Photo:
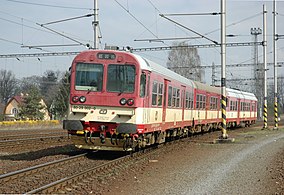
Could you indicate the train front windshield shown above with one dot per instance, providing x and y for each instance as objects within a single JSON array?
[
  {"x": 89, "y": 77},
  {"x": 120, "y": 77}
]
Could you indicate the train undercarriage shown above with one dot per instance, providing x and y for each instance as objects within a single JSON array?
[{"x": 112, "y": 140}]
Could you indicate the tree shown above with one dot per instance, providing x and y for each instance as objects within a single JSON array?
[
  {"x": 8, "y": 85},
  {"x": 49, "y": 86},
  {"x": 29, "y": 82},
  {"x": 185, "y": 61},
  {"x": 31, "y": 107},
  {"x": 60, "y": 103}
]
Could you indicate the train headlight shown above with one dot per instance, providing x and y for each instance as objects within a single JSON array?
[
  {"x": 130, "y": 102},
  {"x": 122, "y": 101},
  {"x": 75, "y": 99},
  {"x": 82, "y": 99}
]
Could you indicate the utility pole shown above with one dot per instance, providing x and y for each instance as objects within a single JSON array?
[
  {"x": 213, "y": 74},
  {"x": 257, "y": 86},
  {"x": 275, "y": 66},
  {"x": 96, "y": 25},
  {"x": 223, "y": 69},
  {"x": 265, "y": 67}
]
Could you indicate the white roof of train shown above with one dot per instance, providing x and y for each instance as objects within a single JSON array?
[
  {"x": 240, "y": 94},
  {"x": 154, "y": 67}
]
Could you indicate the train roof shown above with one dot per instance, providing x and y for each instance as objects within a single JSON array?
[
  {"x": 207, "y": 87},
  {"x": 240, "y": 94},
  {"x": 154, "y": 67}
]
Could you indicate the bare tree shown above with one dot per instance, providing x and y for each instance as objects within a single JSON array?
[
  {"x": 281, "y": 95},
  {"x": 8, "y": 85},
  {"x": 185, "y": 61}
]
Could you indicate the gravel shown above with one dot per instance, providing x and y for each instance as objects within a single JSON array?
[{"x": 251, "y": 165}]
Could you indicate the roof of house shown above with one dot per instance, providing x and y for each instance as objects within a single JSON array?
[{"x": 18, "y": 98}]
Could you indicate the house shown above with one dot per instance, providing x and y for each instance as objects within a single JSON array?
[{"x": 11, "y": 110}]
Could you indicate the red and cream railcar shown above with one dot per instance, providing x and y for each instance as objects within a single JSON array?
[
  {"x": 241, "y": 108},
  {"x": 120, "y": 101}
]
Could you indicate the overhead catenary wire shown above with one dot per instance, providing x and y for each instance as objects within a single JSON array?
[
  {"x": 195, "y": 32},
  {"x": 61, "y": 34},
  {"x": 67, "y": 19},
  {"x": 48, "y": 5},
  {"x": 38, "y": 29},
  {"x": 136, "y": 18}
]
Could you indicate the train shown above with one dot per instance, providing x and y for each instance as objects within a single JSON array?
[{"x": 121, "y": 101}]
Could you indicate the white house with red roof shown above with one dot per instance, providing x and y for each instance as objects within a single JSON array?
[{"x": 12, "y": 108}]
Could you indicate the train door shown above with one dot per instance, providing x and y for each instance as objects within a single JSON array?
[
  {"x": 165, "y": 100},
  {"x": 145, "y": 78},
  {"x": 207, "y": 105},
  {"x": 239, "y": 111},
  {"x": 182, "y": 101}
]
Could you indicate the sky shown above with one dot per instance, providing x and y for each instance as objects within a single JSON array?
[{"x": 132, "y": 23}]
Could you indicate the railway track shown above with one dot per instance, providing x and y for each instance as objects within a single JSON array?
[
  {"x": 77, "y": 182},
  {"x": 32, "y": 141},
  {"x": 14, "y": 136},
  {"x": 25, "y": 180},
  {"x": 71, "y": 174}
]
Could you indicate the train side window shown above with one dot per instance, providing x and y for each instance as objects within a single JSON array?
[
  {"x": 190, "y": 100},
  {"x": 160, "y": 94},
  {"x": 154, "y": 93},
  {"x": 213, "y": 103},
  {"x": 178, "y": 98},
  {"x": 200, "y": 101},
  {"x": 253, "y": 107},
  {"x": 204, "y": 102},
  {"x": 197, "y": 101},
  {"x": 142, "y": 85},
  {"x": 174, "y": 97},
  {"x": 170, "y": 91},
  {"x": 187, "y": 99}
]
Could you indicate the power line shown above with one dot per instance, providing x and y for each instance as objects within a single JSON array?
[
  {"x": 195, "y": 46},
  {"x": 135, "y": 50},
  {"x": 61, "y": 34},
  {"x": 195, "y": 14},
  {"x": 68, "y": 53},
  {"x": 48, "y": 5},
  {"x": 279, "y": 64},
  {"x": 135, "y": 18},
  {"x": 250, "y": 79},
  {"x": 162, "y": 15}
]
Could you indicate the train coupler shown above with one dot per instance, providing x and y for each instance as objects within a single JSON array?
[{"x": 103, "y": 139}]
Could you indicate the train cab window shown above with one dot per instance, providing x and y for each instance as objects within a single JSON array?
[
  {"x": 121, "y": 78},
  {"x": 142, "y": 85},
  {"x": 89, "y": 77},
  {"x": 170, "y": 93}
]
